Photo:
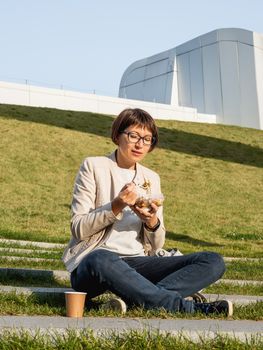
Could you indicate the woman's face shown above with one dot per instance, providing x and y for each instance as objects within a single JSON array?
[{"x": 131, "y": 148}]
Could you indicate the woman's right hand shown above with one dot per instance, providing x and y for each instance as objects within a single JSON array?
[{"x": 127, "y": 196}]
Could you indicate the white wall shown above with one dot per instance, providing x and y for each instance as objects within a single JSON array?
[
  {"x": 150, "y": 79},
  {"x": 22, "y": 94},
  {"x": 220, "y": 73},
  {"x": 217, "y": 74},
  {"x": 258, "y": 40}
]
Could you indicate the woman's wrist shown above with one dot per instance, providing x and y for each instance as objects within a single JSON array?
[
  {"x": 117, "y": 205},
  {"x": 152, "y": 227}
]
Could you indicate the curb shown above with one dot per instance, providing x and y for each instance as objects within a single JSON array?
[
  {"x": 240, "y": 282},
  {"x": 237, "y": 299},
  {"x": 65, "y": 275},
  {"x": 26, "y": 259},
  {"x": 55, "y": 274},
  {"x": 60, "y": 246},
  {"x": 34, "y": 244},
  {"x": 193, "y": 329}
]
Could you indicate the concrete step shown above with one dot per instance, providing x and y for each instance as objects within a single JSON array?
[
  {"x": 231, "y": 259},
  {"x": 237, "y": 299},
  {"x": 33, "y": 251},
  {"x": 65, "y": 275},
  {"x": 28, "y": 251},
  {"x": 31, "y": 243},
  {"x": 193, "y": 329},
  {"x": 55, "y": 274},
  {"x": 240, "y": 282},
  {"x": 46, "y": 259},
  {"x": 33, "y": 290},
  {"x": 61, "y": 246},
  {"x": 25, "y": 258}
]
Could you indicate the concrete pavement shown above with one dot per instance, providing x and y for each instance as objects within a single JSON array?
[
  {"x": 237, "y": 299},
  {"x": 64, "y": 275},
  {"x": 190, "y": 328}
]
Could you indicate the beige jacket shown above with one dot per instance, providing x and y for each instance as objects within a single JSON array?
[{"x": 92, "y": 216}]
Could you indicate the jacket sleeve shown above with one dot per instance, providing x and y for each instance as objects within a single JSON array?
[{"x": 86, "y": 218}]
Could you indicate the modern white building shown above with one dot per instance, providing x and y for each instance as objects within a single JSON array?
[{"x": 219, "y": 73}]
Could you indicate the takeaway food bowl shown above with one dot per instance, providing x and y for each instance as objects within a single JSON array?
[{"x": 145, "y": 202}]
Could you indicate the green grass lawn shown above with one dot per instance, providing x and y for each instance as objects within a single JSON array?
[
  {"x": 235, "y": 270},
  {"x": 15, "y": 279},
  {"x": 21, "y": 304},
  {"x": 227, "y": 288},
  {"x": 33, "y": 254},
  {"x": 18, "y": 280},
  {"x": 212, "y": 178},
  {"x": 244, "y": 270},
  {"x": 26, "y": 263},
  {"x": 129, "y": 340}
]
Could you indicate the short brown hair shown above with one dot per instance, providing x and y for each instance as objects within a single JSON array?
[{"x": 135, "y": 116}]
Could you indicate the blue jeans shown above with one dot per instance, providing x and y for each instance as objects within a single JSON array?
[{"x": 148, "y": 281}]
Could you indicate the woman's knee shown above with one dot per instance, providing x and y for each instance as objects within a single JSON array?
[
  {"x": 216, "y": 262},
  {"x": 98, "y": 259},
  {"x": 88, "y": 275}
]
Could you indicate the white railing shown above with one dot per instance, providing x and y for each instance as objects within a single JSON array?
[{"x": 35, "y": 96}]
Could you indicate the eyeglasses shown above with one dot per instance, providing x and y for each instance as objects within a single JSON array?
[{"x": 133, "y": 137}]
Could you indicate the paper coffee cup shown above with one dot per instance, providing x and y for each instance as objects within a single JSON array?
[{"x": 75, "y": 302}]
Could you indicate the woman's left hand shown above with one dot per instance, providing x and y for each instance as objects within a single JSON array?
[{"x": 147, "y": 216}]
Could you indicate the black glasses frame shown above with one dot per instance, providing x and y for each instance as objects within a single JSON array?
[{"x": 139, "y": 138}]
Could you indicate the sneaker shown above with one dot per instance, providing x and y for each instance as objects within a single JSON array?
[
  {"x": 216, "y": 307},
  {"x": 115, "y": 304},
  {"x": 162, "y": 252}
]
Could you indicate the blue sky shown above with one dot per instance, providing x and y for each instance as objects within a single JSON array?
[{"x": 86, "y": 45}]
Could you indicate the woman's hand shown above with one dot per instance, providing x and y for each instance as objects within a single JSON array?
[
  {"x": 147, "y": 216},
  {"x": 127, "y": 196}
]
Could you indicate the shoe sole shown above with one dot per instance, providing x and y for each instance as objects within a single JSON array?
[
  {"x": 230, "y": 308},
  {"x": 115, "y": 304}
]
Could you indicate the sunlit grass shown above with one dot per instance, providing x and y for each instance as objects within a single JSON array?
[
  {"x": 32, "y": 254},
  {"x": 235, "y": 270},
  {"x": 212, "y": 178},
  {"x": 244, "y": 270},
  {"x": 129, "y": 340},
  {"x": 228, "y": 288},
  {"x": 54, "y": 304},
  {"x": 17, "y": 279},
  {"x": 21, "y": 280},
  {"x": 26, "y": 263}
]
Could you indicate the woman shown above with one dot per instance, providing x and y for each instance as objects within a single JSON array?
[{"x": 114, "y": 238}]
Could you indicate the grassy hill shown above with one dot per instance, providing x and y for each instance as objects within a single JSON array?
[{"x": 212, "y": 178}]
